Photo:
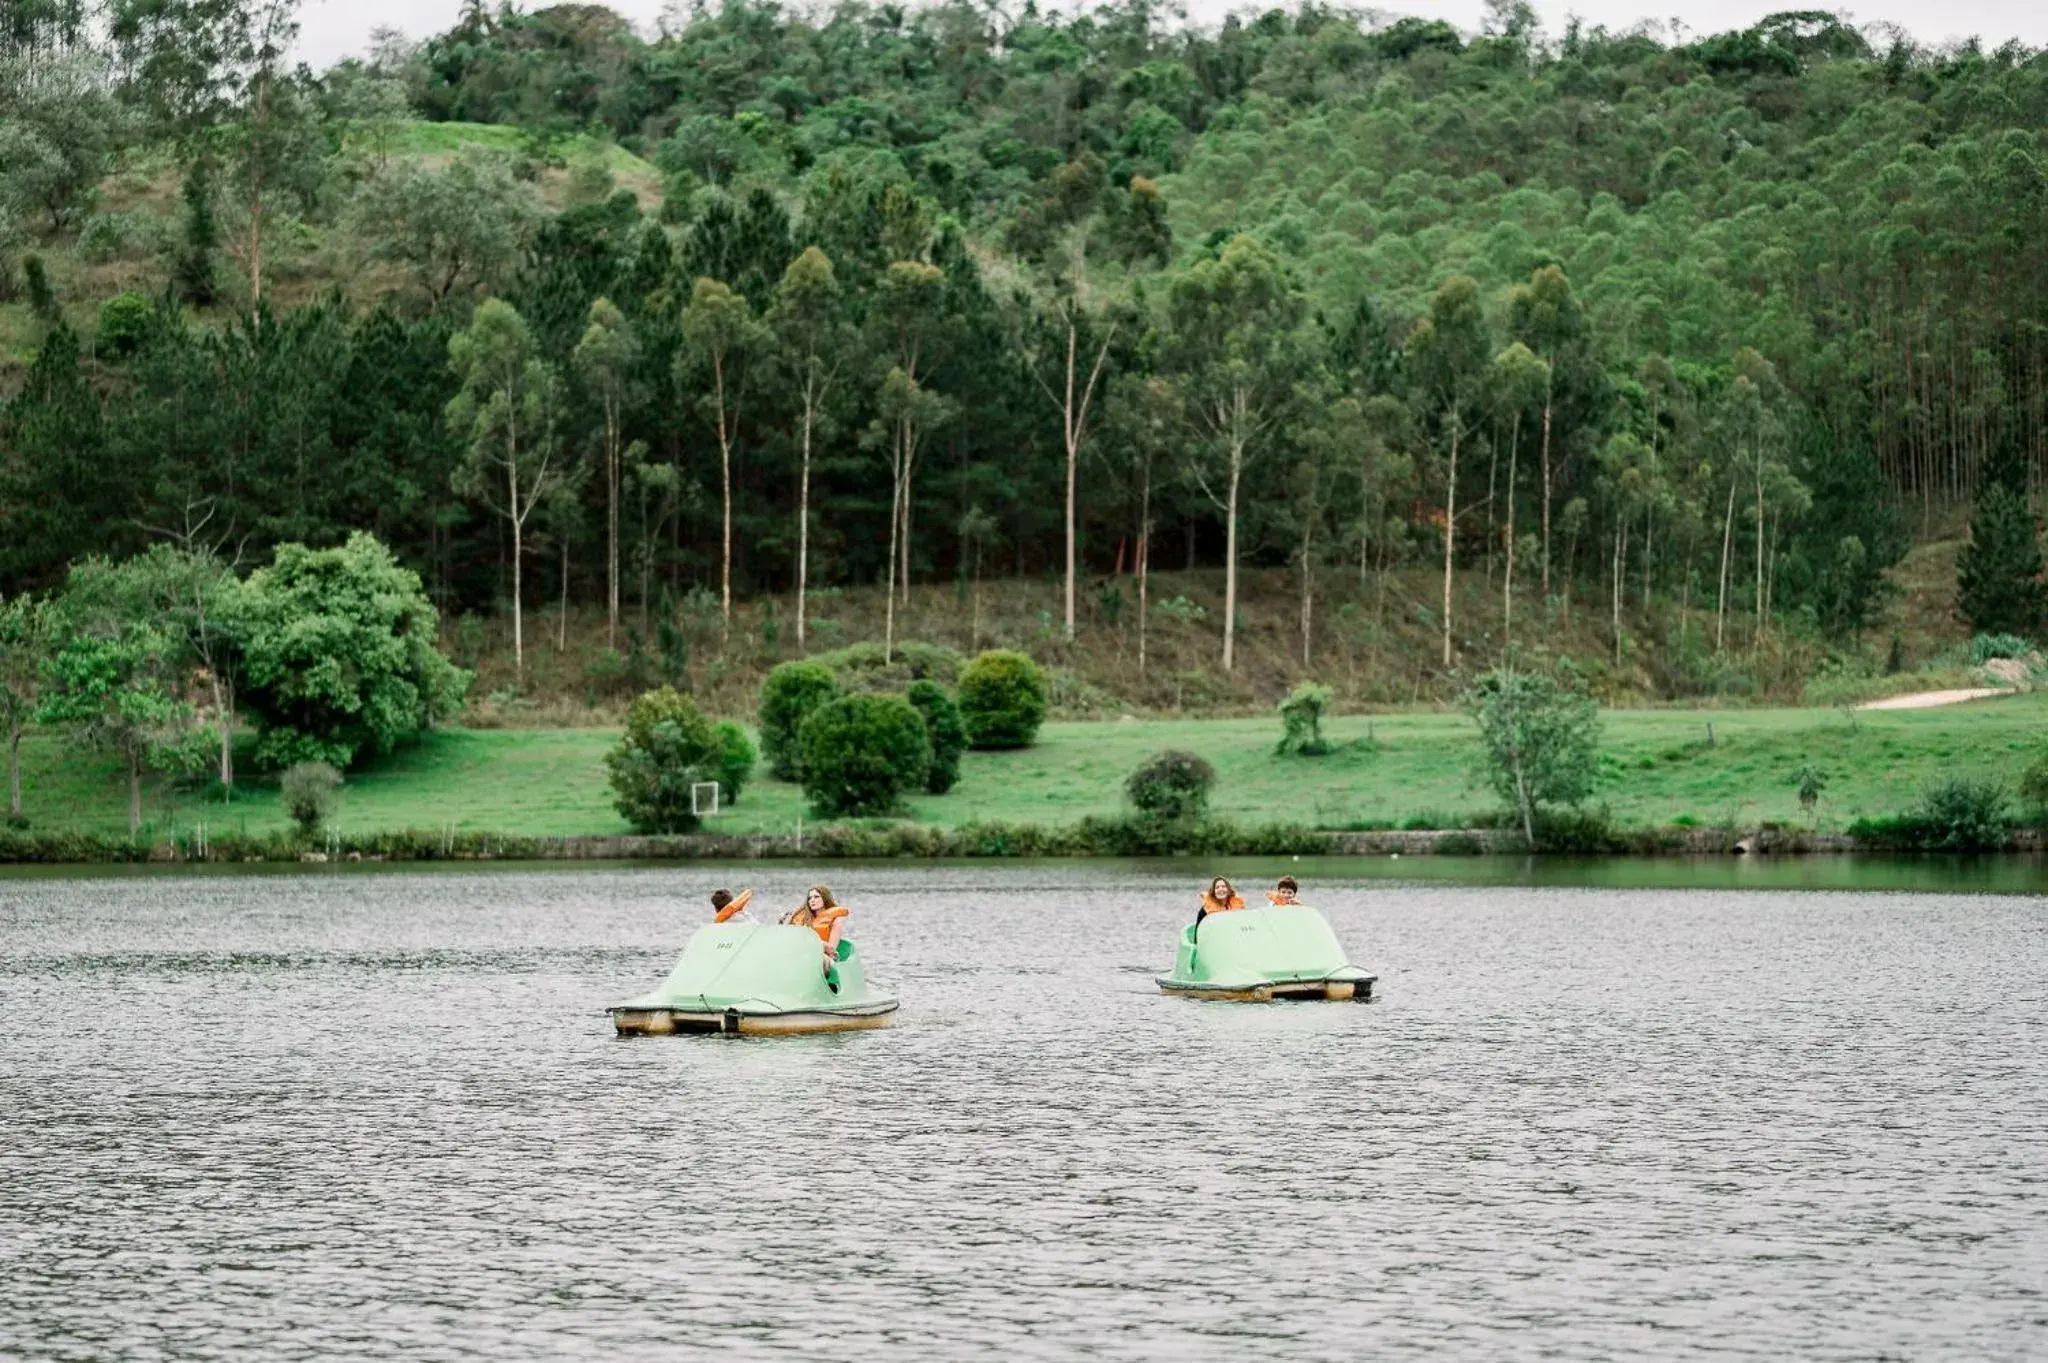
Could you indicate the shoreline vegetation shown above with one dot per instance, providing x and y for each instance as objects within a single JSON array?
[{"x": 1679, "y": 782}]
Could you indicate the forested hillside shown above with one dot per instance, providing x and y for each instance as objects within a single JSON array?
[{"x": 777, "y": 302}]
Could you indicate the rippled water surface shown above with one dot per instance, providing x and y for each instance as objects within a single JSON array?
[{"x": 351, "y": 1115}]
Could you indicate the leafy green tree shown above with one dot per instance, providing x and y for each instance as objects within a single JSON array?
[
  {"x": 788, "y": 696},
  {"x": 724, "y": 340},
  {"x": 947, "y": 729},
  {"x": 1237, "y": 344},
  {"x": 27, "y": 635},
  {"x": 506, "y": 411},
  {"x": 1002, "y": 700},
  {"x": 59, "y": 125},
  {"x": 339, "y": 655},
  {"x": 1540, "y": 739},
  {"x": 736, "y": 758},
  {"x": 113, "y": 678},
  {"x": 1301, "y": 721},
  {"x": 456, "y": 228},
  {"x": 861, "y": 753},
  {"x": 667, "y": 748}
]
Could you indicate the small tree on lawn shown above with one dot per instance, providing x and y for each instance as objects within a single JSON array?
[
  {"x": 788, "y": 696},
  {"x": 26, "y": 626},
  {"x": 1540, "y": 739},
  {"x": 112, "y": 679},
  {"x": 667, "y": 748},
  {"x": 306, "y": 790}
]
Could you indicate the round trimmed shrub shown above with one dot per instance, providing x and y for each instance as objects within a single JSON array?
[
  {"x": 667, "y": 748},
  {"x": 948, "y": 733},
  {"x": 735, "y": 761},
  {"x": 788, "y": 697},
  {"x": 1002, "y": 700},
  {"x": 859, "y": 754},
  {"x": 1171, "y": 785}
]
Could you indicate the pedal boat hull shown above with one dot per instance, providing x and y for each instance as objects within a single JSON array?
[
  {"x": 1280, "y": 951},
  {"x": 757, "y": 979}
]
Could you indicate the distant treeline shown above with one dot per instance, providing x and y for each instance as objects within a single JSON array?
[{"x": 935, "y": 292}]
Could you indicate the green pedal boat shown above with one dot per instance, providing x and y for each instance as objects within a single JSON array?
[
  {"x": 1257, "y": 955},
  {"x": 757, "y": 979}
]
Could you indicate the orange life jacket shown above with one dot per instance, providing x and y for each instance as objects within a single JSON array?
[
  {"x": 732, "y": 910},
  {"x": 1275, "y": 897},
  {"x": 1209, "y": 904},
  {"x": 822, "y": 922}
]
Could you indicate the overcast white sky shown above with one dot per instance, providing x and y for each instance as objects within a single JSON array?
[{"x": 333, "y": 29}]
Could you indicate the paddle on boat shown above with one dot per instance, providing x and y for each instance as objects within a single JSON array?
[
  {"x": 756, "y": 979},
  {"x": 1256, "y": 955}
]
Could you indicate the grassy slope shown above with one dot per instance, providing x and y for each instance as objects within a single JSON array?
[{"x": 1659, "y": 771}]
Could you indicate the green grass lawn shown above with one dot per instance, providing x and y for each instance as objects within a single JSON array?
[{"x": 1659, "y": 770}]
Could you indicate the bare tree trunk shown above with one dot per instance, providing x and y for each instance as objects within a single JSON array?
[
  {"x": 1620, "y": 569},
  {"x": 1144, "y": 556},
  {"x": 14, "y": 769},
  {"x": 518, "y": 554},
  {"x": 1757, "y": 628},
  {"x": 1307, "y": 591},
  {"x": 562, "y": 612},
  {"x": 895, "y": 531},
  {"x": 1072, "y": 439}
]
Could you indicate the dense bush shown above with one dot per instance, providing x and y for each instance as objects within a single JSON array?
[
  {"x": 1985, "y": 647},
  {"x": 869, "y": 667},
  {"x": 667, "y": 748},
  {"x": 307, "y": 792},
  {"x": 735, "y": 761},
  {"x": 1002, "y": 700},
  {"x": 1172, "y": 786},
  {"x": 948, "y": 733},
  {"x": 790, "y": 694},
  {"x": 1301, "y": 721},
  {"x": 859, "y": 754},
  {"x": 1959, "y": 814},
  {"x": 340, "y": 656},
  {"x": 2034, "y": 787}
]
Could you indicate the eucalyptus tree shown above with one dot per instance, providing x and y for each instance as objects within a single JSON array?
[
  {"x": 1237, "y": 343},
  {"x": 1518, "y": 383},
  {"x": 1449, "y": 352},
  {"x": 505, "y": 412},
  {"x": 1545, "y": 316},
  {"x": 814, "y": 344},
  {"x": 451, "y": 229},
  {"x": 724, "y": 341},
  {"x": 1146, "y": 415},
  {"x": 905, "y": 319},
  {"x": 605, "y": 359}
]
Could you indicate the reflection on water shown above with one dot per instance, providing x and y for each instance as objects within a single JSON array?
[{"x": 332, "y": 1115}]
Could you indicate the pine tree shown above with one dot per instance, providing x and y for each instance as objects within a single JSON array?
[{"x": 1998, "y": 576}]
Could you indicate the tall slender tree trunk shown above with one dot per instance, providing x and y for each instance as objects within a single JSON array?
[
  {"x": 1307, "y": 591},
  {"x": 1450, "y": 531},
  {"x": 1071, "y": 437},
  {"x": 1620, "y": 569},
  {"x": 518, "y": 564},
  {"x": 611, "y": 521},
  {"x": 1230, "y": 555},
  {"x": 562, "y": 612},
  {"x": 1756, "y": 632},
  {"x": 895, "y": 533},
  {"x": 1144, "y": 555},
  {"x": 1548, "y": 386},
  {"x": 134, "y": 792},
  {"x": 803, "y": 523},
  {"x": 1727, "y": 543},
  {"x": 1507, "y": 590},
  {"x": 14, "y": 769},
  {"x": 725, "y": 492}
]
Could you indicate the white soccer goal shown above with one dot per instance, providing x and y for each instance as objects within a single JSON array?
[{"x": 704, "y": 798}]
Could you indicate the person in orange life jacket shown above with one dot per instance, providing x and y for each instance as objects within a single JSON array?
[
  {"x": 1283, "y": 891},
  {"x": 1221, "y": 897},
  {"x": 822, "y": 915},
  {"x": 725, "y": 906}
]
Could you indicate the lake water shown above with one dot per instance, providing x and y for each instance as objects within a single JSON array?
[{"x": 350, "y": 1115}]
